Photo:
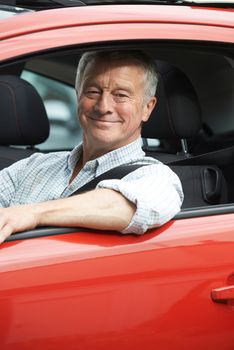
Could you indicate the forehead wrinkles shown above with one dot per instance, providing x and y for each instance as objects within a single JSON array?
[{"x": 120, "y": 73}]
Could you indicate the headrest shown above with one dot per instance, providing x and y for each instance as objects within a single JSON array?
[
  {"x": 177, "y": 113},
  {"x": 23, "y": 116}
]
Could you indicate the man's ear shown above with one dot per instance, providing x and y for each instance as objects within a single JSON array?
[{"x": 148, "y": 107}]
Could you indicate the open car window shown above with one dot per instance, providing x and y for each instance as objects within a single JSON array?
[{"x": 208, "y": 65}]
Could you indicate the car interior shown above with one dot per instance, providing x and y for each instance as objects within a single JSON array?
[{"x": 191, "y": 129}]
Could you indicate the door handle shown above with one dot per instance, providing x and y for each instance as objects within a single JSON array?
[{"x": 223, "y": 294}]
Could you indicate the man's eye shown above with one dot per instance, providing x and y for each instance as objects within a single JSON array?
[
  {"x": 121, "y": 97},
  {"x": 92, "y": 93}
]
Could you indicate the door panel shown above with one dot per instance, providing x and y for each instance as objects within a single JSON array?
[{"x": 100, "y": 290}]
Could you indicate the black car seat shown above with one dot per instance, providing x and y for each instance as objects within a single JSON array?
[
  {"x": 23, "y": 119},
  {"x": 177, "y": 117}
]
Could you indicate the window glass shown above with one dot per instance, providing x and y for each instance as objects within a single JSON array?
[{"x": 60, "y": 103}]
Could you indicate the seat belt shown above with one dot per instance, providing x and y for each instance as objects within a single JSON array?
[{"x": 116, "y": 173}]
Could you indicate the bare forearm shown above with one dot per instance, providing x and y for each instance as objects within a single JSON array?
[{"x": 99, "y": 209}]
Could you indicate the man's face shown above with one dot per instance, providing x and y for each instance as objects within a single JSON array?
[{"x": 110, "y": 104}]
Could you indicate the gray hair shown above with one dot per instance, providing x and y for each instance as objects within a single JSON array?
[{"x": 140, "y": 58}]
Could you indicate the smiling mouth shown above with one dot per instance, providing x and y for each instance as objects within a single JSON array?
[{"x": 104, "y": 121}]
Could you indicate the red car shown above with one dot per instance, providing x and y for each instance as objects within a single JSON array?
[{"x": 173, "y": 287}]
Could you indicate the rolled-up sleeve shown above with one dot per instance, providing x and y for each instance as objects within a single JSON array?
[
  {"x": 9, "y": 179},
  {"x": 155, "y": 190}
]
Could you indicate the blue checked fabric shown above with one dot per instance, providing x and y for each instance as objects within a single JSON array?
[{"x": 155, "y": 189}]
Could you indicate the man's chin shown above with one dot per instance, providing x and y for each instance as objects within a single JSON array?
[{"x": 107, "y": 141}]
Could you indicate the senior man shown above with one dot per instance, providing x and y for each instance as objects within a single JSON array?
[{"x": 115, "y": 94}]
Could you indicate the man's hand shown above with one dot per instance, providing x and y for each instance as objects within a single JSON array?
[{"x": 16, "y": 219}]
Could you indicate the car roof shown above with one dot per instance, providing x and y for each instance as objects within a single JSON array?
[{"x": 80, "y": 16}]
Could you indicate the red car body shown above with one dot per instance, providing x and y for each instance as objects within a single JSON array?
[{"x": 172, "y": 287}]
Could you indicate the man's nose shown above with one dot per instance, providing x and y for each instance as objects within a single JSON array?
[{"x": 104, "y": 103}]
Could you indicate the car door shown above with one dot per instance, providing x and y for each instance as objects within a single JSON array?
[{"x": 100, "y": 290}]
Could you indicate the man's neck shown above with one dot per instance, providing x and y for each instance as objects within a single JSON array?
[{"x": 91, "y": 152}]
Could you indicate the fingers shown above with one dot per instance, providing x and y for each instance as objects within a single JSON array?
[
  {"x": 5, "y": 232},
  {"x": 6, "y": 224},
  {"x": 16, "y": 219}
]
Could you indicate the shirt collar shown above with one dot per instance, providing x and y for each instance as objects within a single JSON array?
[
  {"x": 125, "y": 154},
  {"x": 74, "y": 156}
]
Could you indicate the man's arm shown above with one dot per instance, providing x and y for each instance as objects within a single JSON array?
[{"x": 103, "y": 209}]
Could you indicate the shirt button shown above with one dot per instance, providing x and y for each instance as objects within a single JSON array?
[{"x": 72, "y": 187}]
